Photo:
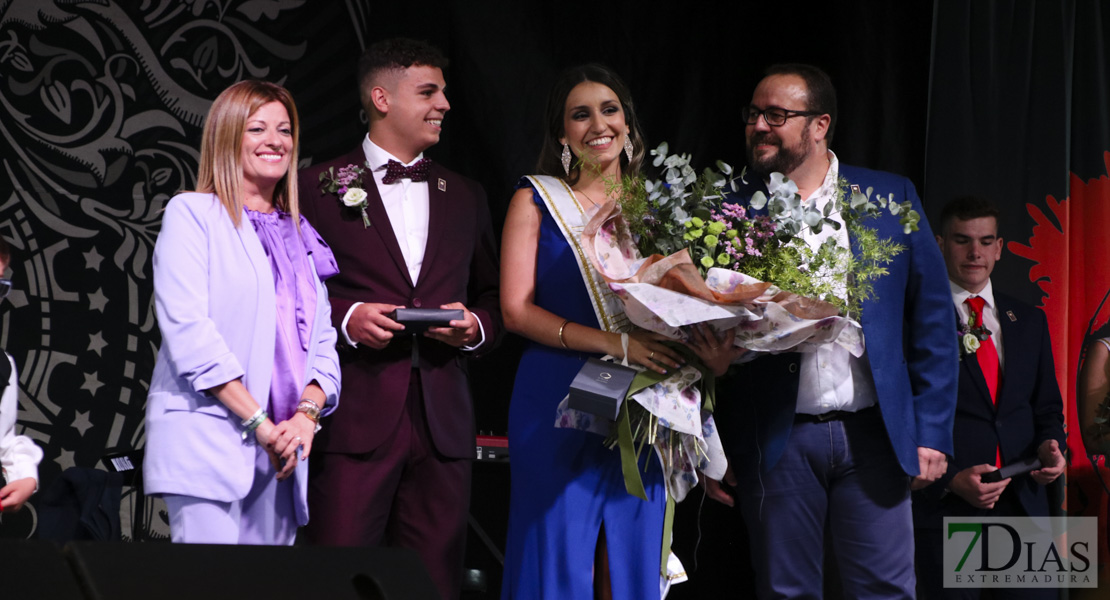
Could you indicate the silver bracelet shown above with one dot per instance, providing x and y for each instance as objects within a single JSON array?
[
  {"x": 310, "y": 410},
  {"x": 310, "y": 401},
  {"x": 250, "y": 419},
  {"x": 249, "y": 425}
]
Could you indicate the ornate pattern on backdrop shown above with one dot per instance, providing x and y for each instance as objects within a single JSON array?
[
  {"x": 102, "y": 102},
  {"x": 102, "y": 107},
  {"x": 1022, "y": 120}
]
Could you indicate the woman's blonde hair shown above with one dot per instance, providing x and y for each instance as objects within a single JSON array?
[{"x": 220, "y": 170}]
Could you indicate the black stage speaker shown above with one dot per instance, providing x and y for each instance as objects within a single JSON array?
[
  {"x": 36, "y": 569},
  {"x": 141, "y": 571}
]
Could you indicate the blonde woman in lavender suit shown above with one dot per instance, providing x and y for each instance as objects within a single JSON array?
[{"x": 248, "y": 362}]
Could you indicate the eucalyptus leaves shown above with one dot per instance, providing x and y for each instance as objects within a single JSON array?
[
  {"x": 685, "y": 210},
  {"x": 793, "y": 215}
]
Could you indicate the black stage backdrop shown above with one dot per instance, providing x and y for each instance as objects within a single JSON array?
[
  {"x": 1018, "y": 113},
  {"x": 103, "y": 102}
]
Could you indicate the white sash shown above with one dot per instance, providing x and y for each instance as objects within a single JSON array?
[{"x": 570, "y": 217}]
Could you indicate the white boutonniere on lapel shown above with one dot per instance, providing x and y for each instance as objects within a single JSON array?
[
  {"x": 971, "y": 337},
  {"x": 348, "y": 187}
]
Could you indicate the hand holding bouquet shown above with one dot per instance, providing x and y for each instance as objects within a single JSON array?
[{"x": 753, "y": 269}]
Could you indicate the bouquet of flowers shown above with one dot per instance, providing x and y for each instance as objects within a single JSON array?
[{"x": 678, "y": 254}]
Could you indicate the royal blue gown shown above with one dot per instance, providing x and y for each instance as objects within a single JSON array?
[{"x": 566, "y": 484}]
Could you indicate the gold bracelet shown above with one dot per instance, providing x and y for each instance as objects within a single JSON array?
[
  {"x": 310, "y": 410},
  {"x": 561, "y": 328}
]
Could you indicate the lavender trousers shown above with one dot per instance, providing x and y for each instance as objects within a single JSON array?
[{"x": 265, "y": 516}]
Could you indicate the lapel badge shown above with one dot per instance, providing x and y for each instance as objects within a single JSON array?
[
  {"x": 442, "y": 185},
  {"x": 855, "y": 188},
  {"x": 1013, "y": 317}
]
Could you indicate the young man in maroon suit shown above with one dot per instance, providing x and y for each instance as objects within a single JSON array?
[{"x": 393, "y": 467}]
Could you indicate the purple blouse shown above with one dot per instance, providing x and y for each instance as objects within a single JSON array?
[{"x": 289, "y": 252}]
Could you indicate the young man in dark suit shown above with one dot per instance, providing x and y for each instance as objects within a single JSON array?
[
  {"x": 393, "y": 467},
  {"x": 1009, "y": 406}
]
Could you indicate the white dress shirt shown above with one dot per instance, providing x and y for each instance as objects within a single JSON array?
[
  {"x": 990, "y": 315},
  {"x": 406, "y": 205},
  {"x": 831, "y": 378},
  {"x": 19, "y": 456}
]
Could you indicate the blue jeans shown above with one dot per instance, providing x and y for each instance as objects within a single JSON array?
[{"x": 839, "y": 477}]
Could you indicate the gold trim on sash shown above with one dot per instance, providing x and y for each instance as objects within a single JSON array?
[{"x": 570, "y": 217}]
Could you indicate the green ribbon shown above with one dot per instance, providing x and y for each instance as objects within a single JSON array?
[
  {"x": 633, "y": 483},
  {"x": 630, "y": 453},
  {"x": 668, "y": 525}
]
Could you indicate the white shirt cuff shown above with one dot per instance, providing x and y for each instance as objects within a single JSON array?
[
  {"x": 354, "y": 344},
  {"x": 343, "y": 326},
  {"x": 481, "y": 337}
]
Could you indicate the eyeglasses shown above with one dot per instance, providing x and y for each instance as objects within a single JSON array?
[
  {"x": 5, "y": 287},
  {"x": 775, "y": 116}
]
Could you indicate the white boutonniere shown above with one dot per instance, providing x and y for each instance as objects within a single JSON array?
[
  {"x": 347, "y": 185},
  {"x": 969, "y": 343},
  {"x": 972, "y": 337}
]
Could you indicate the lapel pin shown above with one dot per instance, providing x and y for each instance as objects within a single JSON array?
[
  {"x": 1013, "y": 318},
  {"x": 442, "y": 185},
  {"x": 855, "y": 188}
]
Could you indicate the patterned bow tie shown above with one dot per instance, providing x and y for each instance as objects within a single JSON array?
[{"x": 395, "y": 171}]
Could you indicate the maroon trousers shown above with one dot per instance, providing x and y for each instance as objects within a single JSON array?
[{"x": 403, "y": 493}]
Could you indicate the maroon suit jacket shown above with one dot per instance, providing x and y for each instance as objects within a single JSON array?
[{"x": 460, "y": 265}]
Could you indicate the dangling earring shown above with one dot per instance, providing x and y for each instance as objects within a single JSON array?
[
  {"x": 566, "y": 159},
  {"x": 628, "y": 147}
]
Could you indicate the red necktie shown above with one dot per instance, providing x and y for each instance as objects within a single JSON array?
[{"x": 988, "y": 358}]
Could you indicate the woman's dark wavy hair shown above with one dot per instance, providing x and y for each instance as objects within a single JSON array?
[{"x": 549, "y": 162}]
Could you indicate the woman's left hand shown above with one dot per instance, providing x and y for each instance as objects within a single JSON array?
[
  {"x": 715, "y": 350},
  {"x": 296, "y": 432}
]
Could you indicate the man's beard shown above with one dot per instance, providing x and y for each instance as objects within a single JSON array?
[{"x": 785, "y": 161}]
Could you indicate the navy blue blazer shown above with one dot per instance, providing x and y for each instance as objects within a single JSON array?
[
  {"x": 1030, "y": 411},
  {"x": 908, "y": 330}
]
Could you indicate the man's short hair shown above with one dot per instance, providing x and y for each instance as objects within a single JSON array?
[
  {"x": 821, "y": 96},
  {"x": 394, "y": 54},
  {"x": 966, "y": 208}
]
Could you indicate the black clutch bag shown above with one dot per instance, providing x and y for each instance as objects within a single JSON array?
[
  {"x": 419, "y": 320},
  {"x": 600, "y": 387}
]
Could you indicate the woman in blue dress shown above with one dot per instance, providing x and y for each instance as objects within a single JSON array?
[{"x": 574, "y": 532}]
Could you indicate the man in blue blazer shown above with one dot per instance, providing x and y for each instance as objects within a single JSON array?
[
  {"x": 821, "y": 441},
  {"x": 1008, "y": 410}
]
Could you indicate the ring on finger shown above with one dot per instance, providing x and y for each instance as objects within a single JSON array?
[{"x": 652, "y": 355}]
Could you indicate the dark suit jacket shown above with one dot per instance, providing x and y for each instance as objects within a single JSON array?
[
  {"x": 460, "y": 265},
  {"x": 1030, "y": 411},
  {"x": 907, "y": 329}
]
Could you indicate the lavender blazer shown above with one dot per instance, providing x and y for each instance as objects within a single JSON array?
[{"x": 215, "y": 301}]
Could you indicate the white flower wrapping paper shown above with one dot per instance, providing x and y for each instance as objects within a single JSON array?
[{"x": 654, "y": 293}]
